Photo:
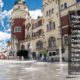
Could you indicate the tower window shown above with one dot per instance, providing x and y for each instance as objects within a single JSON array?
[{"x": 17, "y": 29}]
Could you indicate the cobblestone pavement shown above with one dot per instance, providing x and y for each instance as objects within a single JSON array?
[{"x": 33, "y": 70}]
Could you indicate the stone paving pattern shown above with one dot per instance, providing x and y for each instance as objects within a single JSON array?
[{"x": 33, "y": 70}]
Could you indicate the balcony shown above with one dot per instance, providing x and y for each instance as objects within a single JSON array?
[{"x": 37, "y": 34}]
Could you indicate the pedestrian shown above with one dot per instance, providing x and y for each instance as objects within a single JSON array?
[
  {"x": 45, "y": 57},
  {"x": 34, "y": 55},
  {"x": 40, "y": 56}
]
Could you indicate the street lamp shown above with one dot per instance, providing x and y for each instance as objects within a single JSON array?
[
  {"x": 15, "y": 46},
  {"x": 31, "y": 47}
]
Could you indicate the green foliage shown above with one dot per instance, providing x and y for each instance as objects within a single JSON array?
[{"x": 44, "y": 52}]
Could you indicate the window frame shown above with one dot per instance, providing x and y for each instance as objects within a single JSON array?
[{"x": 17, "y": 29}]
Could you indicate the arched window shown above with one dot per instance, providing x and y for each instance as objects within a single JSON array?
[
  {"x": 52, "y": 42},
  {"x": 39, "y": 45},
  {"x": 22, "y": 47}
]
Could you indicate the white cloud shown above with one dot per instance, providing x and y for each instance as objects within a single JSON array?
[
  {"x": 8, "y": 27},
  {"x": 9, "y": 30},
  {"x": 35, "y": 13},
  {"x": 6, "y": 13},
  {"x": 4, "y": 36},
  {"x": 3, "y": 15}
]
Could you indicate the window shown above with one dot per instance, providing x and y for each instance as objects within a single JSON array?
[
  {"x": 50, "y": 26},
  {"x": 39, "y": 45},
  {"x": 47, "y": 27},
  {"x": 62, "y": 6},
  {"x": 52, "y": 10},
  {"x": 39, "y": 22},
  {"x": 17, "y": 29},
  {"x": 53, "y": 27},
  {"x": 66, "y": 40},
  {"x": 53, "y": 53},
  {"x": 52, "y": 42},
  {"x": 65, "y": 5},
  {"x": 47, "y": 13},
  {"x": 50, "y": 54}
]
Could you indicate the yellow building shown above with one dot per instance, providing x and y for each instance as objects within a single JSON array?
[
  {"x": 38, "y": 41},
  {"x": 65, "y": 7},
  {"x": 34, "y": 35},
  {"x": 52, "y": 25},
  {"x": 49, "y": 32}
]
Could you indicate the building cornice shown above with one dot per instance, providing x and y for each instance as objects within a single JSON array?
[{"x": 18, "y": 9}]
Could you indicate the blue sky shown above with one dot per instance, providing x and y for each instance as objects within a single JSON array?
[{"x": 34, "y": 6}]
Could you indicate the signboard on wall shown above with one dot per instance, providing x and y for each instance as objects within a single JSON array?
[{"x": 74, "y": 43}]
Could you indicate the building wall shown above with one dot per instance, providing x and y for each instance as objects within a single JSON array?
[
  {"x": 71, "y": 5},
  {"x": 54, "y": 17},
  {"x": 32, "y": 33},
  {"x": 18, "y": 22},
  {"x": 51, "y": 15}
]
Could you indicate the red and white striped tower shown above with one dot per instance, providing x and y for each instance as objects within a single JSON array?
[{"x": 18, "y": 17}]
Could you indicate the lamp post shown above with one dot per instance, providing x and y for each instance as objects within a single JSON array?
[
  {"x": 60, "y": 47},
  {"x": 15, "y": 46},
  {"x": 31, "y": 47}
]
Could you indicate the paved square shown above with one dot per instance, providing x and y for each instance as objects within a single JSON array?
[{"x": 33, "y": 70}]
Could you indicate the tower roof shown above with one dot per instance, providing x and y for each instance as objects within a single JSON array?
[{"x": 20, "y": 10}]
